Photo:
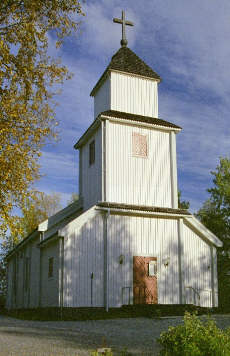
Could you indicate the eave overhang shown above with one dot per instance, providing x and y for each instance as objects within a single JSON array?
[
  {"x": 48, "y": 228},
  {"x": 197, "y": 226},
  {"x": 128, "y": 118},
  {"x": 107, "y": 74},
  {"x": 188, "y": 218},
  {"x": 31, "y": 236},
  {"x": 142, "y": 209}
]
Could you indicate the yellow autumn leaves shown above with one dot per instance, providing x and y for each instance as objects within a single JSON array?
[{"x": 27, "y": 74}]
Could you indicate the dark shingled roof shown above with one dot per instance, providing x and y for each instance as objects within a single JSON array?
[
  {"x": 140, "y": 118},
  {"x": 143, "y": 208},
  {"x": 126, "y": 60}
]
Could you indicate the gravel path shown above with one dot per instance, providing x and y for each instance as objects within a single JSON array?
[{"x": 79, "y": 338}]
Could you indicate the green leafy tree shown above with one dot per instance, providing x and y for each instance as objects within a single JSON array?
[
  {"x": 27, "y": 75},
  {"x": 215, "y": 215},
  {"x": 182, "y": 204}
]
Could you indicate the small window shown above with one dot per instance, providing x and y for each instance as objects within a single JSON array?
[
  {"x": 152, "y": 268},
  {"x": 51, "y": 267},
  {"x": 139, "y": 143},
  {"x": 92, "y": 152}
]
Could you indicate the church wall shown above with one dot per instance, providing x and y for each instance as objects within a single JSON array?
[
  {"x": 102, "y": 98},
  {"x": 26, "y": 294},
  {"x": 29, "y": 290},
  {"x": 10, "y": 293},
  {"x": 138, "y": 180},
  {"x": 142, "y": 236},
  {"x": 14, "y": 282},
  {"x": 134, "y": 94},
  {"x": 21, "y": 292},
  {"x": 197, "y": 269},
  {"x": 50, "y": 285},
  {"x": 35, "y": 270},
  {"x": 20, "y": 276},
  {"x": 91, "y": 175},
  {"x": 84, "y": 255}
]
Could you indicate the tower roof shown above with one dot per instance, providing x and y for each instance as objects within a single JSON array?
[{"x": 125, "y": 60}]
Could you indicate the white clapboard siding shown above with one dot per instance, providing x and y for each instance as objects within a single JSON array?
[
  {"x": 50, "y": 285},
  {"x": 197, "y": 269},
  {"x": 83, "y": 255},
  {"x": 22, "y": 293},
  {"x": 91, "y": 175},
  {"x": 142, "y": 236},
  {"x": 102, "y": 98},
  {"x": 127, "y": 93},
  {"x": 138, "y": 180},
  {"x": 20, "y": 277},
  {"x": 134, "y": 94},
  {"x": 34, "y": 273}
]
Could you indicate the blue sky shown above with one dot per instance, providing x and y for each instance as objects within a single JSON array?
[{"x": 188, "y": 44}]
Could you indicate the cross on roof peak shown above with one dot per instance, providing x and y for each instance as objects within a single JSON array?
[{"x": 124, "y": 23}]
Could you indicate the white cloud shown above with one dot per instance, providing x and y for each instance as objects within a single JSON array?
[
  {"x": 188, "y": 42},
  {"x": 101, "y": 36}
]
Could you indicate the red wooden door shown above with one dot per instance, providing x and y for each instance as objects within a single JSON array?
[{"x": 144, "y": 280}]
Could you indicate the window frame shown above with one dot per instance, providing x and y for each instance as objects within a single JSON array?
[{"x": 152, "y": 265}]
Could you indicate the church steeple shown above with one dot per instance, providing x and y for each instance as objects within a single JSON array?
[
  {"x": 128, "y": 84},
  {"x": 126, "y": 61},
  {"x": 128, "y": 154}
]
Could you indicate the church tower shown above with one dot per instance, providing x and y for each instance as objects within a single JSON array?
[{"x": 128, "y": 155}]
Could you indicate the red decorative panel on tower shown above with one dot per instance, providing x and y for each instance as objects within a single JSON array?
[
  {"x": 144, "y": 280},
  {"x": 139, "y": 145}
]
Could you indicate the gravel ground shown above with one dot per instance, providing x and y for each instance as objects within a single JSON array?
[{"x": 79, "y": 338}]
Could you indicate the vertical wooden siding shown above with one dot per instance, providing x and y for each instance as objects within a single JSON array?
[
  {"x": 25, "y": 298},
  {"x": 197, "y": 268},
  {"x": 9, "y": 297},
  {"x": 102, "y": 98},
  {"x": 20, "y": 277},
  {"x": 142, "y": 236},
  {"x": 34, "y": 280},
  {"x": 92, "y": 174},
  {"x": 49, "y": 286},
  {"x": 138, "y": 180},
  {"x": 134, "y": 95},
  {"x": 83, "y": 255}
]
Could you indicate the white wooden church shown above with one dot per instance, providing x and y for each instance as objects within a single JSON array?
[{"x": 125, "y": 241}]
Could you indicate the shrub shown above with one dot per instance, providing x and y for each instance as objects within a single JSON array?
[{"x": 195, "y": 338}]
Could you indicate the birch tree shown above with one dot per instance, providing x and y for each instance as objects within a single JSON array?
[{"x": 27, "y": 77}]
